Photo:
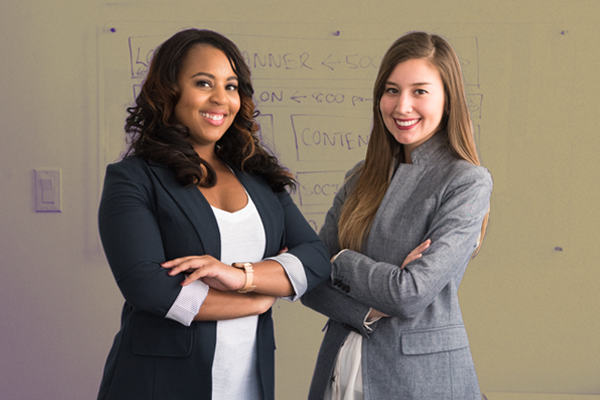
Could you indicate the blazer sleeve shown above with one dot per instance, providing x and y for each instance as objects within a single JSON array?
[
  {"x": 454, "y": 231},
  {"x": 326, "y": 299},
  {"x": 302, "y": 241},
  {"x": 133, "y": 244}
]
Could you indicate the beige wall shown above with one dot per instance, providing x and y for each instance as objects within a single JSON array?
[{"x": 531, "y": 311}]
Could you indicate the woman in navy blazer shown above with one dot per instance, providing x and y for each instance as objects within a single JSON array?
[
  {"x": 401, "y": 232},
  {"x": 196, "y": 188}
]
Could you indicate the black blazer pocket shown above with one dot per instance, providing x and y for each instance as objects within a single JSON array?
[
  {"x": 427, "y": 341},
  {"x": 162, "y": 340}
]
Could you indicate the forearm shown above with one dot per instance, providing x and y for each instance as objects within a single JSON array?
[
  {"x": 270, "y": 279},
  {"x": 220, "y": 305},
  {"x": 336, "y": 305},
  {"x": 453, "y": 228},
  {"x": 385, "y": 287},
  {"x": 296, "y": 273}
]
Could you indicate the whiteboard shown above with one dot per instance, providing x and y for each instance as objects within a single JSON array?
[{"x": 313, "y": 88}]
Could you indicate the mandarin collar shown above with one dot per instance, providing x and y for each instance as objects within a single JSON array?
[{"x": 431, "y": 150}]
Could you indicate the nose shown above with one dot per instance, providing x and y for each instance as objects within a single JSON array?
[
  {"x": 219, "y": 95},
  {"x": 404, "y": 105}
]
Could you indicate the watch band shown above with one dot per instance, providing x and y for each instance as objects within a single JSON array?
[{"x": 249, "y": 271}]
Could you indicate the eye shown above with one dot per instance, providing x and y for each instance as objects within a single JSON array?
[
  {"x": 203, "y": 83},
  {"x": 420, "y": 91},
  {"x": 391, "y": 90},
  {"x": 233, "y": 87}
]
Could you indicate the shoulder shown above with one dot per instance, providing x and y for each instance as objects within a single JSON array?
[
  {"x": 133, "y": 175},
  {"x": 131, "y": 164},
  {"x": 133, "y": 167},
  {"x": 355, "y": 171},
  {"x": 137, "y": 169},
  {"x": 464, "y": 171},
  {"x": 353, "y": 175},
  {"x": 450, "y": 168},
  {"x": 459, "y": 179}
]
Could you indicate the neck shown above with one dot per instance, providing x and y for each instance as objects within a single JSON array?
[
  {"x": 207, "y": 153},
  {"x": 407, "y": 159}
]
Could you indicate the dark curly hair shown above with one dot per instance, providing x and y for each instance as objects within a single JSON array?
[{"x": 154, "y": 134}]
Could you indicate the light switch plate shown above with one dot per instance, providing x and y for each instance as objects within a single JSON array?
[{"x": 47, "y": 190}]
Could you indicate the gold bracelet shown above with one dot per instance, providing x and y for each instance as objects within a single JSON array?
[{"x": 249, "y": 271}]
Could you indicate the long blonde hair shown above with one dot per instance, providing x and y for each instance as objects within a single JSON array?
[{"x": 361, "y": 206}]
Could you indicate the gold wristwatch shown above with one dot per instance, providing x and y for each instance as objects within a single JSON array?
[{"x": 249, "y": 271}]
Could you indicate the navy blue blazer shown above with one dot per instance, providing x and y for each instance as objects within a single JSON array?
[{"x": 145, "y": 218}]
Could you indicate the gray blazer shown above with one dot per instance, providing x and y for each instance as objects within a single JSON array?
[{"x": 421, "y": 351}]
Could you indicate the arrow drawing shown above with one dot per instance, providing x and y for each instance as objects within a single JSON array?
[
  {"x": 330, "y": 62},
  {"x": 294, "y": 97}
]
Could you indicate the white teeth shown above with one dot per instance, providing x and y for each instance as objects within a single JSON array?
[
  {"x": 407, "y": 123},
  {"x": 216, "y": 117}
]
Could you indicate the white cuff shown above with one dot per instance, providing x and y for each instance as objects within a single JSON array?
[
  {"x": 333, "y": 269},
  {"x": 336, "y": 256},
  {"x": 188, "y": 303},
  {"x": 368, "y": 322},
  {"x": 295, "y": 271}
]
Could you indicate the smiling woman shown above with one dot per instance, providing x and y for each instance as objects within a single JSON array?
[
  {"x": 209, "y": 99},
  {"x": 412, "y": 105},
  {"x": 401, "y": 231},
  {"x": 200, "y": 233}
]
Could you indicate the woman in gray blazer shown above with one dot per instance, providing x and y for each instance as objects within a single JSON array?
[{"x": 400, "y": 233}]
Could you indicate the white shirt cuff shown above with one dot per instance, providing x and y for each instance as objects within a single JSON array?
[
  {"x": 370, "y": 321},
  {"x": 336, "y": 256},
  {"x": 295, "y": 271},
  {"x": 188, "y": 303}
]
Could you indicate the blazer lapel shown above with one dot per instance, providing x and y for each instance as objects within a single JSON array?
[
  {"x": 194, "y": 206},
  {"x": 399, "y": 195},
  {"x": 396, "y": 199}
]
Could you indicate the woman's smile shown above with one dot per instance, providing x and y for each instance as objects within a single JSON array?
[
  {"x": 216, "y": 119},
  {"x": 406, "y": 124}
]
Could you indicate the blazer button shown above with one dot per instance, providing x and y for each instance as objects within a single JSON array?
[
  {"x": 346, "y": 288},
  {"x": 336, "y": 281}
]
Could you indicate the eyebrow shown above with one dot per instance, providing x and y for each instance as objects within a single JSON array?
[
  {"x": 211, "y": 76},
  {"x": 412, "y": 84}
]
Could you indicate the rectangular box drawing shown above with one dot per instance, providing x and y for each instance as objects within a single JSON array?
[
  {"x": 319, "y": 188},
  {"x": 329, "y": 137}
]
